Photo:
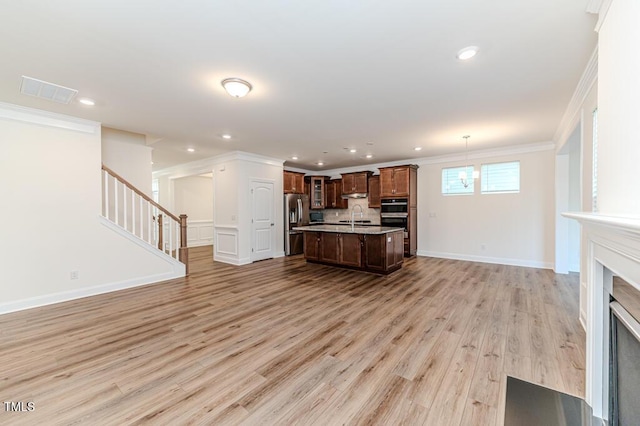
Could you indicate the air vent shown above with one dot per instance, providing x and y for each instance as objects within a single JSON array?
[{"x": 45, "y": 90}]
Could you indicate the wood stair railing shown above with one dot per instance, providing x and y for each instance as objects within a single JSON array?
[{"x": 134, "y": 211}]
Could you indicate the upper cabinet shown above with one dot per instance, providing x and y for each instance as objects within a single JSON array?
[
  {"x": 292, "y": 182},
  {"x": 397, "y": 181},
  {"x": 374, "y": 192},
  {"x": 333, "y": 195},
  {"x": 355, "y": 183},
  {"x": 317, "y": 192}
]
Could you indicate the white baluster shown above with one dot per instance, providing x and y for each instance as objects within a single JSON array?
[
  {"x": 133, "y": 212},
  {"x": 169, "y": 229},
  {"x": 177, "y": 255},
  {"x": 150, "y": 219},
  {"x": 106, "y": 193},
  {"x": 141, "y": 220},
  {"x": 116, "y": 201},
  {"x": 124, "y": 205}
]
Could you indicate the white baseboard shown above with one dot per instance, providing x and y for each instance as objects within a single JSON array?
[
  {"x": 279, "y": 254},
  {"x": 231, "y": 260},
  {"x": 49, "y": 299},
  {"x": 485, "y": 259}
]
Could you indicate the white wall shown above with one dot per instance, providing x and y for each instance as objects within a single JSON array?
[
  {"x": 193, "y": 196},
  {"x": 619, "y": 109},
  {"x": 513, "y": 228},
  {"x": 574, "y": 202},
  {"x": 51, "y": 193},
  {"x": 127, "y": 154}
]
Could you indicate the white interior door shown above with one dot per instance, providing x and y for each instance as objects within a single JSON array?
[{"x": 262, "y": 224}]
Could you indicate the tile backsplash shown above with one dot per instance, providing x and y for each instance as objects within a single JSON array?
[{"x": 336, "y": 215}]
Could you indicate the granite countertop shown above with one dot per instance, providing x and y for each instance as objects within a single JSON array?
[{"x": 346, "y": 229}]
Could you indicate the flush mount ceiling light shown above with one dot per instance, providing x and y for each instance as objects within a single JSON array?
[
  {"x": 369, "y": 156},
  {"x": 467, "y": 53},
  {"x": 191, "y": 150},
  {"x": 320, "y": 163},
  {"x": 352, "y": 151},
  {"x": 87, "y": 101},
  {"x": 226, "y": 136},
  {"x": 294, "y": 157},
  {"x": 417, "y": 148},
  {"x": 236, "y": 87}
]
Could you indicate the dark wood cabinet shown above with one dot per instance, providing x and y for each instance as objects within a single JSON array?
[
  {"x": 380, "y": 253},
  {"x": 317, "y": 189},
  {"x": 374, "y": 192},
  {"x": 333, "y": 192},
  {"x": 329, "y": 247},
  {"x": 384, "y": 252},
  {"x": 312, "y": 245},
  {"x": 350, "y": 250},
  {"x": 355, "y": 183},
  {"x": 293, "y": 182},
  {"x": 396, "y": 181},
  {"x": 402, "y": 182}
]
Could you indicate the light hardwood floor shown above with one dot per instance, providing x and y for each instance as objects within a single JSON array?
[{"x": 285, "y": 342}]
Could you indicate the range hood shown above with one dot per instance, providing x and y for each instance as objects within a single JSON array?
[{"x": 358, "y": 195}]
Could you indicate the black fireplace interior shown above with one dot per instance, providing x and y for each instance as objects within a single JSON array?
[{"x": 624, "y": 356}]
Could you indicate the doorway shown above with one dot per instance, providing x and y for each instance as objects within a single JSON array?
[{"x": 262, "y": 220}]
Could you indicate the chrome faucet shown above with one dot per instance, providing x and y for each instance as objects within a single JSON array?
[{"x": 353, "y": 214}]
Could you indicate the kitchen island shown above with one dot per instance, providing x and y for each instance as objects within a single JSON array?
[{"x": 368, "y": 248}]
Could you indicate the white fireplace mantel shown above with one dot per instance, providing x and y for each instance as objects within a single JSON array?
[{"x": 613, "y": 247}]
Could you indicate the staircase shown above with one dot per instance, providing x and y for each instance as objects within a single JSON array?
[{"x": 133, "y": 211}]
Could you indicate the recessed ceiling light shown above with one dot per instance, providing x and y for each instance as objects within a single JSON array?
[
  {"x": 87, "y": 101},
  {"x": 352, "y": 151},
  {"x": 467, "y": 53},
  {"x": 320, "y": 163},
  {"x": 226, "y": 136},
  {"x": 191, "y": 150},
  {"x": 236, "y": 87},
  {"x": 417, "y": 148},
  {"x": 369, "y": 156},
  {"x": 294, "y": 157}
]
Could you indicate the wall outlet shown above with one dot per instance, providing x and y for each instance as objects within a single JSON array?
[
  {"x": 336, "y": 214},
  {"x": 74, "y": 275}
]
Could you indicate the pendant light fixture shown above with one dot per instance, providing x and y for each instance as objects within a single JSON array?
[
  {"x": 463, "y": 174},
  {"x": 236, "y": 87}
]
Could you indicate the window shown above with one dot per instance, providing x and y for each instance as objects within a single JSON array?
[
  {"x": 594, "y": 181},
  {"x": 451, "y": 182},
  {"x": 500, "y": 177}
]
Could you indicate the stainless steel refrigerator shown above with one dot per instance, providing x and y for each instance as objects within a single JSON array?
[{"x": 296, "y": 213}]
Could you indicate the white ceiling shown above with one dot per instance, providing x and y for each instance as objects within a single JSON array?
[{"x": 326, "y": 74}]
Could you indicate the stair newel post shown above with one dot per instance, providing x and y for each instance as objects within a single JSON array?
[
  {"x": 184, "y": 251},
  {"x": 160, "y": 230}
]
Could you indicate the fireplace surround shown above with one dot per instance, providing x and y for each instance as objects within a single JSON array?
[{"x": 613, "y": 258}]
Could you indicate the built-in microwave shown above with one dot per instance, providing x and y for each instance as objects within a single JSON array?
[{"x": 394, "y": 205}]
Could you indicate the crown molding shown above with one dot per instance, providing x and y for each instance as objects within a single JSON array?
[
  {"x": 599, "y": 7},
  {"x": 488, "y": 153},
  {"x": 46, "y": 118},
  {"x": 207, "y": 165},
  {"x": 573, "y": 112}
]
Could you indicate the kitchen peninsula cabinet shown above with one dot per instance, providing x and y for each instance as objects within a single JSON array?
[
  {"x": 293, "y": 182},
  {"x": 372, "y": 248}
]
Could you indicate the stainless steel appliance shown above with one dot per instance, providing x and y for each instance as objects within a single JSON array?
[
  {"x": 394, "y": 212},
  {"x": 296, "y": 213}
]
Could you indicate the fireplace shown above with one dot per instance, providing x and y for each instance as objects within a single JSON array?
[
  {"x": 624, "y": 354},
  {"x": 613, "y": 310}
]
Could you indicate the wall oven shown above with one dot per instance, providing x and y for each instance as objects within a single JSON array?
[{"x": 394, "y": 212}]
